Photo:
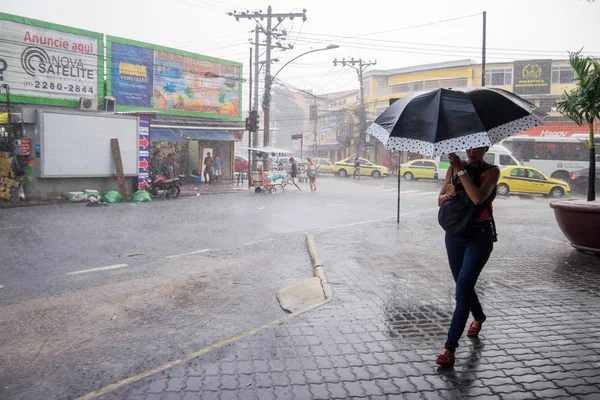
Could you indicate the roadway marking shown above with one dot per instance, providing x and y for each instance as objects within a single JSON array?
[
  {"x": 84, "y": 271},
  {"x": 426, "y": 193},
  {"x": 187, "y": 254},
  {"x": 258, "y": 241},
  {"x": 13, "y": 227},
  {"x": 401, "y": 192},
  {"x": 372, "y": 220},
  {"x": 1, "y": 286}
]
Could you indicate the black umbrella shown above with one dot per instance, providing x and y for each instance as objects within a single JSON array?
[{"x": 445, "y": 121}]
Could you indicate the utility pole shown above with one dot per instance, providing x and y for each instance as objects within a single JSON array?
[
  {"x": 316, "y": 113},
  {"x": 269, "y": 31},
  {"x": 250, "y": 133},
  {"x": 267, "y": 110},
  {"x": 256, "y": 76},
  {"x": 483, "y": 50},
  {"x": 360, "y": 66}
]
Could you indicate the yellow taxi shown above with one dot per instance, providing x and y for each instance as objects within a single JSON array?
[
  {"x": 419, "y": 169},
  {"x": 324, "y": 165},
  {"x": 520, "y": 179},
  {"x": 345, "y": 167}
]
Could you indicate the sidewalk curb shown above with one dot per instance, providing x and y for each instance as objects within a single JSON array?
[{"x": 318, "y": 269}]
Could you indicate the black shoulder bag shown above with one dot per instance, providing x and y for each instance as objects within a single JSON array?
[{"x": 458, "y": 213}]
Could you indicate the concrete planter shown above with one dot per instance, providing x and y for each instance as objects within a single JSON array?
[{"x": 579, "y": 222}]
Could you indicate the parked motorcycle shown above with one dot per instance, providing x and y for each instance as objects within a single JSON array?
[{"x": 160, "y": 186}]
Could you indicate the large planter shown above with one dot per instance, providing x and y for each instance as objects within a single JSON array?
[{"x": 580, "y": 223}]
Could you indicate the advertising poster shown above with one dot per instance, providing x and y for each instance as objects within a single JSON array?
[
  {"x": 153, "y": 78},
  {"x": 328, "y": 138},
  {"x": 143, "y": 151},
  {"x": 50, "y": 64},
  {"x": 532, "y": 77}
]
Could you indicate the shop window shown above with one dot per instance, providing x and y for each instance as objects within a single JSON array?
[
  {"x": 416, "y": 86},
  {"x": 461, "y": 82},
  {"x": 429, "y": 85},
  {"x": 499, "y": 77},
  {"x": 562, "y": 75},
  {"x": 381, "y": 85}
]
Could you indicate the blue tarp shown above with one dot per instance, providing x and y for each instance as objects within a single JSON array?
[
  {"x": 201, "y": 134},
  {"x": 165, "y": 135}
]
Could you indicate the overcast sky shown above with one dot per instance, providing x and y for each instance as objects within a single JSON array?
[{"x": 414, "y": 31}]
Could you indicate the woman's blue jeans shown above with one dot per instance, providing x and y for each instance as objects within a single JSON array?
[{"x": 467, "y": 256}]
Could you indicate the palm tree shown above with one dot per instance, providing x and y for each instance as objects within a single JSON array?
[{"x": 582, "y": 105}]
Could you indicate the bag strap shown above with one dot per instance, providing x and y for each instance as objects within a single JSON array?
[{"x": 491, "y": 214}]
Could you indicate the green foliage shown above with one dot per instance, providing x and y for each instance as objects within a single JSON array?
[{"x": 582, "y": 104}]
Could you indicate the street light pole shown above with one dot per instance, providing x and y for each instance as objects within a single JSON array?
[{"x": 268, "y": 82}]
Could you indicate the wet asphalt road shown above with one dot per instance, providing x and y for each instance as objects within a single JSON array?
[
  {"x": 46, "y": 243},
  {"x": 66, "y": 334}
]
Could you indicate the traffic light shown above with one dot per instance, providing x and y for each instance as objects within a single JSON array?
[
  {"x": 256, "y": 119},
  {"x": 252, "y": 122}
]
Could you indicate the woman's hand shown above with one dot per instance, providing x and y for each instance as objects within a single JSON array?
[
  {"x": 450, "y": 190},
  {"x": 455, "y": 161}
]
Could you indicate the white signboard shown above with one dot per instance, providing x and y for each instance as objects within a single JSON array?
[
  {"x": 78, "y": 144},
  {"x": 48, "y": 64}
]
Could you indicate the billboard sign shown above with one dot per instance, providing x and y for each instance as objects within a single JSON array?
[
  {"x": 147, "y": 77},
  {"x": 327, "y": 138},
  {"x": 44, "y": 63},
  {"x": 532, "y": 77}
]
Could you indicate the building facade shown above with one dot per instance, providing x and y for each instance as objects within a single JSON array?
[
  {"x": 66, "y": 100},
  {"x": 541, "y": 82}
]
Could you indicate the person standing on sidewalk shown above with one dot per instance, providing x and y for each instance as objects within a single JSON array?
[
  {"x": 356, "y": 169},
  {"x": 209, "y": 164},
  {"x": 218, "y": 166},
  {"x": 294, "y": 172},
  {"x": 468, "y": 252}
]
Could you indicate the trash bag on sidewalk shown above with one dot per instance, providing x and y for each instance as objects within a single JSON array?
[
  {"x": 140, "y": 196},
  {"x": 112, "y": 196}
]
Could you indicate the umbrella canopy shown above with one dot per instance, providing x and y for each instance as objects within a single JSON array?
[{"x": 445, "y": 121}]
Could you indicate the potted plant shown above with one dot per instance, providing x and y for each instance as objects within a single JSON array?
[{"x": 579, "y": 220}]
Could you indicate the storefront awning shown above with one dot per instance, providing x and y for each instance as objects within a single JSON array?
[
  {"x": 165, "y": 135},
  {"x": 201, "y": 134}
]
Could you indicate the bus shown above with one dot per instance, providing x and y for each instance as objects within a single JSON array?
[
  {"x": 556, "y": 157},
  {"x": 497, "y": 155}
]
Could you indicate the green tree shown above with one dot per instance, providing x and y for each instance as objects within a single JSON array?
[{"x": 582, "y": 105}]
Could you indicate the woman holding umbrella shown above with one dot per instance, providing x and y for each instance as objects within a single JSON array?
[
  {"x": 446, "y": 121},
  {"x": 469, "y": 251}
]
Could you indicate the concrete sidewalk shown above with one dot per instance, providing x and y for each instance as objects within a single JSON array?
[{"x": 379, "y": 337}]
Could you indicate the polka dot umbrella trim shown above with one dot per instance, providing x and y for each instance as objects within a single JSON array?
[{"x": 445, "y": 121}]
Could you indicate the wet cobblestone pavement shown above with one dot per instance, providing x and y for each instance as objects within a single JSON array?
[{"x": 393, "y": 300}]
